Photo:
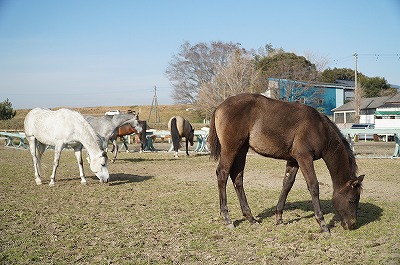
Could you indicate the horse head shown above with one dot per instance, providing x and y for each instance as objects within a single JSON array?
[
  {"x": 136, "y": 124},
  {"x": 99, "y": 165},
  {"x": 345, "y": 201}
]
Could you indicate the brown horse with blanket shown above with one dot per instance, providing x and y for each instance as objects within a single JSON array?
[{"x": 180, "y": 127}]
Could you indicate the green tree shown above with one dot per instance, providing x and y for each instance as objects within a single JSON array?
[
  {"x": 288, "y": 66},
  {"x": 6, "y": 110},
  {"x": 375, "y": 86},
  {"x": 331, "y": 75},
  {"x": 295, "y": 71}
]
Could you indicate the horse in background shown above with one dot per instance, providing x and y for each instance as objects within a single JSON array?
[
  {"x": 180, "y": 127},
  {"x": 63, "y": 128},
  {"x": 127, "y": 129},
  {"x": 107, "y": 126},
  {"x": 293, "y": 132}
]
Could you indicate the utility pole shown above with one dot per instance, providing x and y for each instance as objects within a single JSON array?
[
  {"x": 357, "y": 92},
  {"x": 154, "y": 105}
]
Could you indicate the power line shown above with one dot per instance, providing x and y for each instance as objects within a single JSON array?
[{"x": 376, "y": 56}]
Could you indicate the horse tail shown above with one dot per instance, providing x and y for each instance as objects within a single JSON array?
[
  {"x": 213, "y": 140},
  {"x": 176, "y": 139}
]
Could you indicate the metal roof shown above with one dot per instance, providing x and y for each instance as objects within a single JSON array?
[{"x": 371, "y": 103}]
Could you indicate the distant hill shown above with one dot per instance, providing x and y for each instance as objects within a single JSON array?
[
  {"x": 395, "y": 86},
  {"x": 165, "y": 113}
]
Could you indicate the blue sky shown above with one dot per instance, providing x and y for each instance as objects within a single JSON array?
[{"x": 112, "y": 53}]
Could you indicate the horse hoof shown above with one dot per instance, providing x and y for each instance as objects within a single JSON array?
[
  {"x": 83, "y": 182},
  {"x": 279, "y": 222},
  {"x": 38, "y": 181},
  {"x": 230, "y": 226},
  {"x": 325, "y": 230},
  {"x": 51, "y": 185},
  {"x": 254, "y": 222}
]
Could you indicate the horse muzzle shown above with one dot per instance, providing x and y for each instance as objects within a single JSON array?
[
  {"x": 104, "y": 177},
  {"x": 350, "y": 225}
]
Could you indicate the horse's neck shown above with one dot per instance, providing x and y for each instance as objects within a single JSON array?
[
  {"x": 339, "y": 163},
  {"x": 118, "y": 120},
  {"x": 87, "y": 136}
]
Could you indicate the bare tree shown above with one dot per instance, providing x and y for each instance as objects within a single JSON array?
[
  {"x": 195, "y": 65},
  {"x": 239, "y": 75},
  {"x": 320, "y": 61}
]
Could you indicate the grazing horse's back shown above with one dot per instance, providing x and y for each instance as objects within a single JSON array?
[
  {"x": 48, "y": 125},
  {"x": 271, "y": 127}
]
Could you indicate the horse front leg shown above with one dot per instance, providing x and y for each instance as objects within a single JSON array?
[
  {"x": 290, "y": 175},
  {"x": 187, "y": 147},
  {"x": 115, "y": 150},
  {"x": 307, "y": 168},
  {"x": 78, "y": 155}
]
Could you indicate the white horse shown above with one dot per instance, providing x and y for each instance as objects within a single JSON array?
[
  {"x": 63, "y": 128},
  {"x": 107, "y": 127}
]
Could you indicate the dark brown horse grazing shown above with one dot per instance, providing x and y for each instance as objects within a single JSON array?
[
  {"x": 290, "y": 131},
  {"x": 128, "y": 129},
  {"x": 180, "y": 127}
]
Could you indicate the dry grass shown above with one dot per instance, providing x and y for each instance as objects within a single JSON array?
[{"x": 161, "y": 210}]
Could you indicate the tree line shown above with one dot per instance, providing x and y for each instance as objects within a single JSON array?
[{"x": 204, "y": 74}]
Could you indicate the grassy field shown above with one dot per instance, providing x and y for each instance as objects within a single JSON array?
[{"x": 161, "y": 210}]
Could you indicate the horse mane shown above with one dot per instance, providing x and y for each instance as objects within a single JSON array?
[{"x": 343, "y": 140}]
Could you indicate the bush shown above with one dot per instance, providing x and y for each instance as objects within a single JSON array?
[{"x": 6, "y": 110}]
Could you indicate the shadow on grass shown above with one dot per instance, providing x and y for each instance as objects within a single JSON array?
[
  {"x": 137, "y": 160},
  {"x": 122, "y": 178},
  {"x": 367, "y": 213}
]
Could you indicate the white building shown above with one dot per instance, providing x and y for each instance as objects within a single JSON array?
[{"x": 384, "y": 112}]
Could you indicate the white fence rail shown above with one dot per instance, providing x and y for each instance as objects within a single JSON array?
[{"x": 351, "y": 133}]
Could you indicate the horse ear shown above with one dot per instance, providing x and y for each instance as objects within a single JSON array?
[
  {"x": 358, "y": 182},
  {"x": 361, "y": 178}
]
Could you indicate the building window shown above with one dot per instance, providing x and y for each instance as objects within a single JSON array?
[
  {"x": 350, "y": 117},
  {"x": 339, "y": 117}
]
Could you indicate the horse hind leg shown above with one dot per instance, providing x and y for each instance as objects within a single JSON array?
[
  {"x": 57, "y": 154},
  {"x": 290, "y": 175},
  {"x": 236, "y": 174},
  {"x": 222, "y": 178},
  {"x": 36, "y": 152}
]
